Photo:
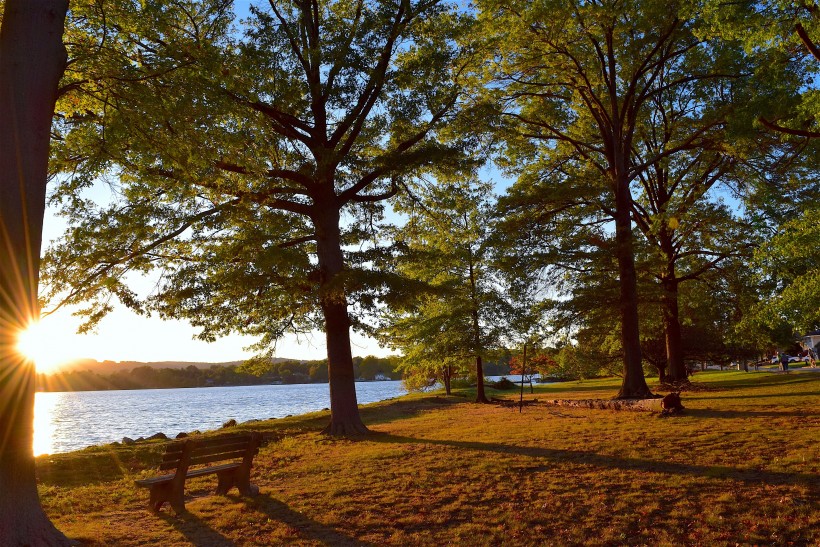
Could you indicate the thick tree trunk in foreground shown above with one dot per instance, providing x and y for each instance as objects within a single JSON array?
[
  {"x": 344, "y": 408},
  {"x": 634, "y": 384},
  {"x": 32, "y": 59}
]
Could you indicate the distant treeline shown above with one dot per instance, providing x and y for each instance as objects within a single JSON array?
[{"x": 253, "y": 372}]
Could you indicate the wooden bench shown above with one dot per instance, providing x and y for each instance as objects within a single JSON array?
[{"x": 183, "y": 455}]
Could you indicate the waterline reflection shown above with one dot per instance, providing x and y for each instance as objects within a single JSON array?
[{"x": 45, "y": 414}]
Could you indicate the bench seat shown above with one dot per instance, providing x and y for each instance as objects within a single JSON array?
[{"x": 190, "y": 474}]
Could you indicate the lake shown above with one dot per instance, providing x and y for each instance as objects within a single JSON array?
[{"x": 65, "y": 421}]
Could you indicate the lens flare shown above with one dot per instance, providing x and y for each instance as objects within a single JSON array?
[{"x": 34, "y": 344}]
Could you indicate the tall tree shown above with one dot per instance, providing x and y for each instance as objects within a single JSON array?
[
  {"x": 705, "y": 119},
  {"x": 579, "y": 79},
  {"x": 579, "y": 74},
  {"x": 461, "y": 311},
  {"x": 32, "y": 58},
  {"x": 252, "y": 168},
  {"x": 787, "y": 261}
]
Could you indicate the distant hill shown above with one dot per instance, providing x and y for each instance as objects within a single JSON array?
[{"x": 110, "y": 367}]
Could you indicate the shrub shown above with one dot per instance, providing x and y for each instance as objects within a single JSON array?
[{"x": 503, "y": 384}]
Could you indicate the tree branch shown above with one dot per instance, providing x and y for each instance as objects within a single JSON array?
[
  {"x": 286, "y": 174},
  {"x": 297, "y": 241},
  {"x": 797, "y": 132},
  {"x": 145, "y": 249},
  {"x": 808, "y": 42}
]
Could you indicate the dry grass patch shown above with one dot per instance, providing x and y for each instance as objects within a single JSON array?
[{"x": 740, "y": 466}]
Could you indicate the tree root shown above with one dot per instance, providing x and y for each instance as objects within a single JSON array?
[
  {"x": 32, "y": 529},
  {"x": 346, "y": 429}
]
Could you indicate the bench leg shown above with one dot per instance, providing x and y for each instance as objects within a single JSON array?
[
  {"x": 167, "y": 492},
  {"x": 227, "y": 480},
  {"x": 234, "y": 477},
  {"x": 159, "y": 494}
]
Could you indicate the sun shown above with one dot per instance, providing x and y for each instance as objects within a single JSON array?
[{"x": 36, "y": 344}]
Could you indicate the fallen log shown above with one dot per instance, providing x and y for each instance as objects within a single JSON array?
[{"x": 643, "y": 405}]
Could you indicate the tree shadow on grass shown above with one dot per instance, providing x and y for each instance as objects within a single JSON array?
[
  {"x": 196, "y": 530},
  {"x": 402, "y": 409},
  {"x": 766, "y": 381},
  {"x": 551, "y": 455},
  {"x": 709, "y": 413},
  {"x": 764, "y": 396},
  {"x": 308, "y": 528}
]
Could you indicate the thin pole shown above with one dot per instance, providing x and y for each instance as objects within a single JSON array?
[{"x": 523, "y": 369}]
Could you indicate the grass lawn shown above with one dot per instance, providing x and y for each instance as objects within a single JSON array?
[{"x": 741, "y": 466}]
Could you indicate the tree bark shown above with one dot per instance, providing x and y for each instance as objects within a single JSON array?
[
  {"x": 672, "y": 331},
  {"x": 480, "y": 396},
  {"x": 32, "y": 60},
  {"x": 344, "y": 409},
  {"x": 634, "y": 384},
  {"x": 661, "y": 373}
]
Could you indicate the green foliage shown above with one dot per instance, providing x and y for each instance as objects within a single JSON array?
[
  {"x": 791, "y": 261},
  {"x": 772, "y": 29},
  {"x": 459, "y": 312},
  {"x": 574, "y": 364},
  {"x": 235, "y": 155}
]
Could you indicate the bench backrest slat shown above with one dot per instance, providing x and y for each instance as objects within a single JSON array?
[
  {"x": 218, "y": 457},
  {"x": 207, "y": 451}
]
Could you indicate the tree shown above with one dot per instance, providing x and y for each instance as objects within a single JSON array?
[
  {"x": 252, "y": 169},
  {"x": 706, "y": 236},
  {"x": 528, "y": 365},
  {"x": 460, "y": 311},
  {"x": 32, "y": 58},
  {"x": 586, "y": 86},
  {"x": 689, "y": 232},
  {"x": 578, "y": 75}
]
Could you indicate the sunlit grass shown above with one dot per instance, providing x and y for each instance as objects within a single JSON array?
[{"x": 740, "y": 466}]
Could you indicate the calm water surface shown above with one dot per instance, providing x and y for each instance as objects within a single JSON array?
[{"x": 72, "y": 420}]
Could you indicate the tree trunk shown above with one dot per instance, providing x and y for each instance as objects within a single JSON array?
[
  {"x": 344, "y": 409},
  {"x": 447, "y": 376},
  {"x": 634, "y": 384},
  {"x": 672, "y": 331},
  {"x": 480, "y": 396},
  {"x": 32, "y": 59},
  {"x": 661, "y": 373}
]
